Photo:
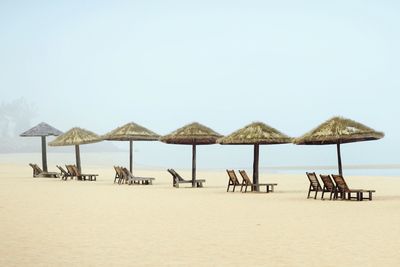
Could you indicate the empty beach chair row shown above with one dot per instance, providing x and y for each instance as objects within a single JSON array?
[
  {"x": 73, "y": 172},
  {"x": 177, "y": 180},
  {"x": 124, "y": 176},
  {"x": 246, "y": 182},
  {"x": 337, "y": 187}
]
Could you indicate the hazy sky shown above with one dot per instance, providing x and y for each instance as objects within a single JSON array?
[{"x": 163, "y": 64}]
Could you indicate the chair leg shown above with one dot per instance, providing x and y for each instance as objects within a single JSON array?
[{"x": 316, "y": 192}]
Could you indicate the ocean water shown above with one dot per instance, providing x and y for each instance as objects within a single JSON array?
[
  {"x": 94, "y": 159},
  {"x": 359, "y": 171}
]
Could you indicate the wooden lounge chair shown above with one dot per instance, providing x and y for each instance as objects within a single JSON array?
[
  {"x": 64, "y": 173},
  {"x": 346, "y": 193},
  {"x": 233, "y": 181},
  {"x": 247, "y": 182},
  {"x": 119, "y": 177},
  {"x": 315, "y": 186},
  {"x": 72, "y": 173},
  {"x": 177, "y": 179},
  {"x": 131, "y": 179},
  {"x": 84, "y": 176},
  {"x": 38, "y": 172},
  {"x": 329, "y": 186}
]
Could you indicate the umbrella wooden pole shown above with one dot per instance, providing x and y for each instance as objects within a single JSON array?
[
  {"x": 130, "y": 156},
  {"x": 44, "y": 154},
  {"x": 339, "y": 159},
  {"x": 255, "y": 166},
  {"x": 193, "y": 165},
  {"x": 78, "y": 157}
]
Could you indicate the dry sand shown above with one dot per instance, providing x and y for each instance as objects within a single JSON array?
[{"x": 49, "y": 222}]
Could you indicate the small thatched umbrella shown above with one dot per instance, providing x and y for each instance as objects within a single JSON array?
[
  {"x": 256, "y": 134},
  {"x": 42, "y": 130},
  {"x": 338, "y": 131},
  {"x": 192, "y": 134},
  {"x": 131, "y": 132},
  {"x": 75, "y": 137}
]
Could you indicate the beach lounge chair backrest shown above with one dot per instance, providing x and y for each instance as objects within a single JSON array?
[
  {"x": 125, "y": 172},
  {"x": 246, "y": 179},
  {"x": 119, "y": 175},
  {"x": 328, "y": 183},
  {"x": 71, "y": 170},
  {"x": 315, "y": 186},
  {"x": 176, "y": 175},
  {"x": 63, "y": 171},
  {"x": 36, "y": 170},
  {"x": 233, "y": 180},
  {"x": 329, "y": 187},
  {"x": 76, "y": 171},
  {"x": 233, "y": 177},
  {"x": 118, "y": 171},
  {"x": 340, "y": 182},
  {"x": 312, "y": 177}
]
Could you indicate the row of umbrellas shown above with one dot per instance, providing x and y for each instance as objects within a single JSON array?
[{"x": 336, "y": 131}]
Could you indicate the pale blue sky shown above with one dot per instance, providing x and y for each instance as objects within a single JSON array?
[{"x": 163, "y": 64}]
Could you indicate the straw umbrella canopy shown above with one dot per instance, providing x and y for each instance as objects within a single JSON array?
[
  {"x": 131, "y": 132},
  {"x": 256, "y": 133},
  {"x": 192, "y": 134},
  {"x": 42, "y": 130},
  {"x": 75, "y": 137},
  {"x": 338, "y": 130}
]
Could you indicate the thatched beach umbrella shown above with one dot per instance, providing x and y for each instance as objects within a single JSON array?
[
  {"x": 42, "y": 130},
  {"x": 192, "y": 134},
  {"x": 256, "y": 134},
  {"x": 131, "y": 132},
  {"x": 338, "y": 131},
  {"x": 75, "y": 137}
]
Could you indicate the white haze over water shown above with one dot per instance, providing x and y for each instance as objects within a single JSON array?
[{"x": 225, "y": 64}]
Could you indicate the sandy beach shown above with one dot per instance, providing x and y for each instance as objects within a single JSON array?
[
  {"x": 49, "y": 222},
  {"x": 275, "y": 88}
]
